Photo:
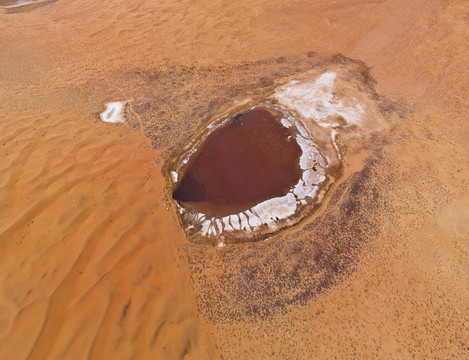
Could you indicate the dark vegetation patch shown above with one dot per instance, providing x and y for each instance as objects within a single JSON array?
[
  {"x": 399, "y": 107},
  {"x": 259, "y": 280},
  {"x": 177, "y": 101}
]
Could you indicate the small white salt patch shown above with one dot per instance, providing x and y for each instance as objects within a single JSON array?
[
  {"x": 174, "y": 175},
  {"x": 219, "y": 226},
  {"x": 253, "y": 220},
  {"x": 235, "y": 222},
  {"x": 276, "y": 208},
  {"x": 286, "y": 123},
  {"x": 302, "y": 191},
  {"x": 310, "y": 155},
  {"x": 311, "y": 177},
  {"x": 113, "y": 112},
  {"x": 301, "y": 129},
  {"x": 226, "y": 222},
  {"x": 244, "y": 221},
  {"x": 205, "y": 226}
]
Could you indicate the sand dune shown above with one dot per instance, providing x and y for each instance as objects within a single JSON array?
[
  {"x": 95, "y": 263},
  {"x": 86, "y": 272}
]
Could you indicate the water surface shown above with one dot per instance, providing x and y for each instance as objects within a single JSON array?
[{"x": 251, "y": 159}]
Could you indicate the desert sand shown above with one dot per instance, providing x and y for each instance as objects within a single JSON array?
[{"x": 95, "y": 263}]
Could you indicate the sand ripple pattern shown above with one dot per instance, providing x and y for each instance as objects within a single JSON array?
[
  {"x": 88, "y": 273},
  {"x": 89, "y": 264}
]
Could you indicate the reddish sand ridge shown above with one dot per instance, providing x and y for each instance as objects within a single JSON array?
[{"x": 95, "y": 263}]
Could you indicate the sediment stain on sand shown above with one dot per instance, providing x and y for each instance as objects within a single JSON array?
[{"x": 97, "y": 267}]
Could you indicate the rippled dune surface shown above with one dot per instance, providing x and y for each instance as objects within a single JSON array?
[{"x": 95, "y": 262}]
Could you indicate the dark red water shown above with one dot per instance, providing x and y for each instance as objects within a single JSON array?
[{"x": 252, "y": 159}]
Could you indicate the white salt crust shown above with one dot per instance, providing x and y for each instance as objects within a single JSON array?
[
  {"x": 316, "y": 100},
  {"x": 286, "y": 123},
  {"x": 113, "y": 112}
]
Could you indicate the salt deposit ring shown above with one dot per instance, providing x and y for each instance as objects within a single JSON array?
[
  {"x": 267, "y": 164},
  {"x": 250, "y": 175}
]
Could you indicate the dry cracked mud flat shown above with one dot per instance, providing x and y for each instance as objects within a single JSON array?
[{"x": 95, "y": 261}]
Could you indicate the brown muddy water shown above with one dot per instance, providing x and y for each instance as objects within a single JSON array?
[
  {"x": 249, "y": 160},
  {"x": 97, "y": 259}
]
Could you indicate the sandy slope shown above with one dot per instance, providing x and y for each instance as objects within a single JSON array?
[
  {"x": 86, "y": 270},
  {"x": 95, "y": 266}
]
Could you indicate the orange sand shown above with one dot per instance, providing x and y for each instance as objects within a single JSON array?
[{"x": 95, "y": 263}]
